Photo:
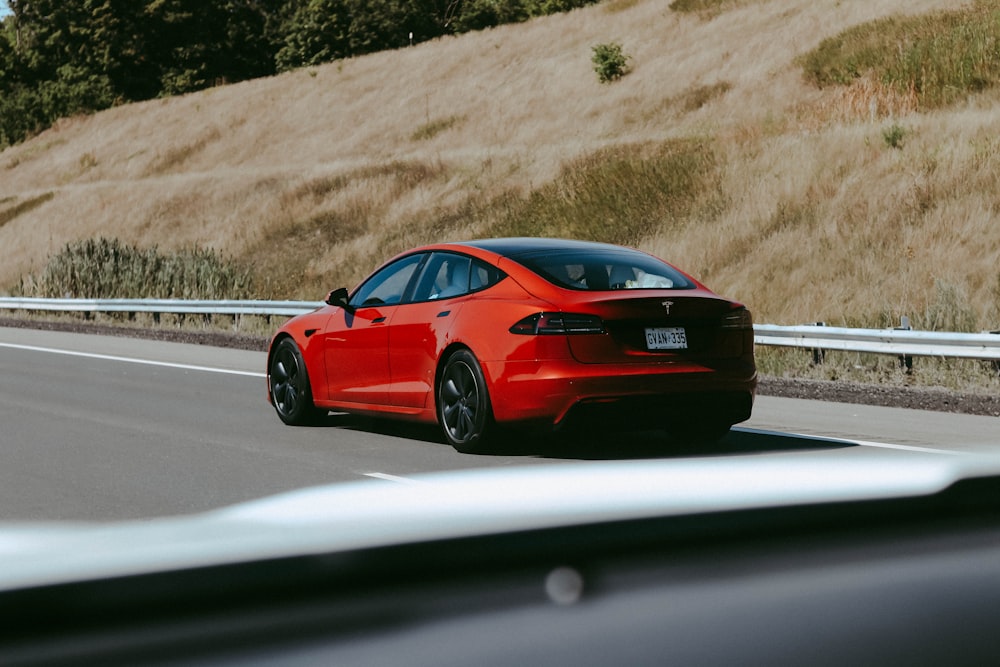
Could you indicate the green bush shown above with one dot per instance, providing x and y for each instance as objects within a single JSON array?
[
  {"x": 616, "y": 195},
  {"x": 108, "y": 269},
  {"x": 700, "y": 5},
  {"x": 941, "y": 57},
  {"x": 432, "y": 128},
  {"x": 610, "y": 62},
  {"x": 893, "y": 136}
]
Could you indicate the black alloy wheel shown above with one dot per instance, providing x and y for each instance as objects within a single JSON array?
[
  {"x": 463, "y": 404},
  {"x": 290, "y": 392}
]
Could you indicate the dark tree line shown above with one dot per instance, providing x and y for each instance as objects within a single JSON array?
[{"x": 63, "y": 57}]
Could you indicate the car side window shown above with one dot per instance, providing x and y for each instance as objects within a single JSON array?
[
  {"x": 388, "y": 285},
  {"x": 449, "y": 274},
  {"x": 445, "y": 275},
  {"x": 484, "y": 275}
]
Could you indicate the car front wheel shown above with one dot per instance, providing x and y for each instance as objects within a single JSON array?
[
  {"x": 463, "y": 404},
  {"x": 289, "y": 384}
]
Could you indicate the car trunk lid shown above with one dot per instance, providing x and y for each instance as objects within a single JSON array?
[{"x": 663, "y": 327}]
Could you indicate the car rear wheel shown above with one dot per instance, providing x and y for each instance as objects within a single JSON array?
[
  {"x": 463, "y": 404},
  {"x": 290, "y": 391}
]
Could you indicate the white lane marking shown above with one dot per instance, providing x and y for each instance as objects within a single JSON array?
[
  {"x": 131, "y": 360},
  {"x": 911, "y": 448},
  {"x": 832, "y": 440},
  {"x": 392, "y": 478}
]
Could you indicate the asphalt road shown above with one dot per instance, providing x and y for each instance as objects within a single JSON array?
[{"x": 96, "y": 428}]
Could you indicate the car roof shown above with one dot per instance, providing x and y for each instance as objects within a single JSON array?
[{"x": 513, "y": 247}]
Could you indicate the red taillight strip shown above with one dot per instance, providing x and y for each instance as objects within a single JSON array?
[
  {"x": 547, "y": 324},
  {"x": 738, "y": 319}
]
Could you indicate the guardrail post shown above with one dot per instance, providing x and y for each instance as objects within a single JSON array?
[
  {"x": 905, "y": 360},
  {"x": 996, "y": 362},
  {"x": 819, "y": 354}
]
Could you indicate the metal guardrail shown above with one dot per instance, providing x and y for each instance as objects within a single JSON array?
[
  {"x": 158, "y": 306},
  {"x": 901, "y": 342}
]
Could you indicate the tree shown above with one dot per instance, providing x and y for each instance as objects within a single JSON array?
[
  {"x": 317, "y": 32},
  {"x": 61, "y": 57},
  {"x": 378, "y": 25},
  {"x": 481, "y": 14},
  {"x": 196, "y": 44}
]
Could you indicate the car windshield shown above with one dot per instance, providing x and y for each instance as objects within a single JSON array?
[{"x": 601, "y": 270}]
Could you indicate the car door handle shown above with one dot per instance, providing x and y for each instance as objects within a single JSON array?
[
  {"x": 378, "y": 320},
  {"x": 444, "y": 313}
]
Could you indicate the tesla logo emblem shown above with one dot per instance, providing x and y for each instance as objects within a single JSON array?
[{"x": 667, "y": 304}]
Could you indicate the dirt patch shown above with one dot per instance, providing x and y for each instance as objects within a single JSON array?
[{"x": 917, "y": 398}]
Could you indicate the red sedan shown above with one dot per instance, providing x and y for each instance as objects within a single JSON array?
[{"x": 521, "y": 332}]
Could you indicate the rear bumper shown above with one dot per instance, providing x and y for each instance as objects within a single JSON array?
[
  {"x": 659, "y": 411},
  {"x": 559, "y": 392}
]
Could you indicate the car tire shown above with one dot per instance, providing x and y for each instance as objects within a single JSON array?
[
  {"x": 291, "y": 394},
  {"x": 463, "y": 404}
]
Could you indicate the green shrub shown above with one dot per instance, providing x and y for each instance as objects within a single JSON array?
[
  {"x": 941, "y": 57},
  {"x": 108, "y": 269},
  {"x": 610, "y": 62},
  {"x": 688, "y": 6},
  {"x": 893, "y": 136},
  {"x": 617, "y": 195},
  {"x": 432, "y": 128}
]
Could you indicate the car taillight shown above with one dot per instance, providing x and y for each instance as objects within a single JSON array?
[
  {"x": 558, "y": 323},
  {"x": 738, "y": 319}
]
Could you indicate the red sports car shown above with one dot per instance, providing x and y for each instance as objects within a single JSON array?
[{"x": 521, "y": 332}]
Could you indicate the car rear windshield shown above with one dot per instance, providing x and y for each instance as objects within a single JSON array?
[{"x": 601, "y": 270}]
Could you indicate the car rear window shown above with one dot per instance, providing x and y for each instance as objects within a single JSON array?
[{"x": 602, "y": 270}]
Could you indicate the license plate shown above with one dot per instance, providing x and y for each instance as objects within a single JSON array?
[{"x": 666, "y": 338}]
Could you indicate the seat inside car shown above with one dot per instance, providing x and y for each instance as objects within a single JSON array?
[
  {"x": 620, "y": 276},
  {"x": 458, "y": 278}
]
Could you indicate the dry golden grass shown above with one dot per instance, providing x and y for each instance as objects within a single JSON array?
[{"x": 316, "y": 175}]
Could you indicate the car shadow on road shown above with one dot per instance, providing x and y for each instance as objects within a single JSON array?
[
  {"x": 602, "y": 446},
  {"x": 387, "y": 427},
  {"x": 658, "y": 445}
]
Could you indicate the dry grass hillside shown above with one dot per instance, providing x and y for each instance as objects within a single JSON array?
[{"x": 315, "y": 176}]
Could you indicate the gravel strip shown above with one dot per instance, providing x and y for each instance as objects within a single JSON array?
[{"x": 917, "y": 398}]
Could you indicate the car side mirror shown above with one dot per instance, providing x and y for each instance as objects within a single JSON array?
[{"x": 337, "y": 297}]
